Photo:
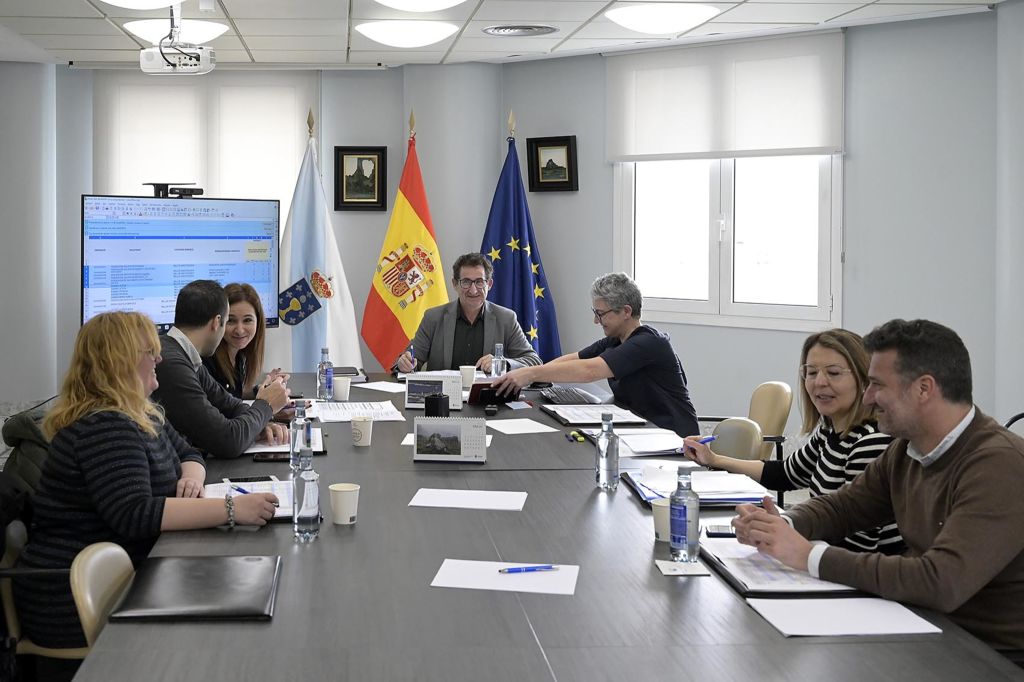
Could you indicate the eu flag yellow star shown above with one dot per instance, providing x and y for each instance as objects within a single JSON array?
[
  {"x": 527, "y": 249},
  {"x": 535, "y": 268},
  {"x": 538, "y": 291},
  {"x": 494, "y": 254},
  {"x": 532, "y": 333},
  {"x": 514, "y": 244}
]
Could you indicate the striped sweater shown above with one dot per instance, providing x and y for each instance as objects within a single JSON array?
[
  {"x": 827, "y": 462},
  {"x": 104, "y": 480}
]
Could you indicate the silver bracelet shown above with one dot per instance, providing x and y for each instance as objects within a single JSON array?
[{"x": 229, "y": 502}]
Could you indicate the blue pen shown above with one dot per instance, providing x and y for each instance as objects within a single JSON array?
[
  {"x": 239, "y": 489},
  {"x": 528, "y": 569},
  {"x": 703, "y": 441}
]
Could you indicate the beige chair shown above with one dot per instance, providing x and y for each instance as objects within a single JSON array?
[
  {"x": 737, "y": 437},
  {"x": 99, "y": 574},
  {"x": 769, "y": 407}
]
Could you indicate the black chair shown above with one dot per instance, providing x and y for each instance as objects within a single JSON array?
[{"x": 1014, "y": 419}]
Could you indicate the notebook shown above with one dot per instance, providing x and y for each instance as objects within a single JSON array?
[{"x": 202, "y": 588}]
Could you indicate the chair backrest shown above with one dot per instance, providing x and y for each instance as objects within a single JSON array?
[
  {"x": 737, "y": 437},
  {"x": 15, "y": 539},
  {"x": 99, "y": 574},
  {"x": 769, "y": 407}
]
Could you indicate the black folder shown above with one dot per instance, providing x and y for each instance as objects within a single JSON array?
[{"x": 202, "y": 588}]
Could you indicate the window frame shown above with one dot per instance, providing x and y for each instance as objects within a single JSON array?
[{"x": 720, "y": 309}]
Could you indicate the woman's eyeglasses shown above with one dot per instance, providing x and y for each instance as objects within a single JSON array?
[{"x": 832, "y": 372}]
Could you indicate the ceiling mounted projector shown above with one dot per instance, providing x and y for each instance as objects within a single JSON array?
[{"x": 181, "y": 59}]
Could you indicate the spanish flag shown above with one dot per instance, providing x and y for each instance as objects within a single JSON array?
[{"x": 409, "y": 277}]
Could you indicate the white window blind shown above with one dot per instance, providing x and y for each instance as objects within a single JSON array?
[
  {"x": 773, "y": 96},
  {"x": 237, "y": 135}
]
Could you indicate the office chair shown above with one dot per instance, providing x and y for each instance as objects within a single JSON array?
[
  {"x": 1014, "y": 419},
  {"x": 769, "y": 407},
  {"x": 99, "y": 574},
  {"x": 737, "y": 437},
  {"x": 17, "y": 538}
]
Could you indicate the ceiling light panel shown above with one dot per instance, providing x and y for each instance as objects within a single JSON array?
[
  {"x": 50, "y": 8},
  {"x": 407, "y": 34},
  {"x": 140, "y": 4},
  {"x": 276, "y": 9},
  {"x": 420, "y": 5},
  {"x": 660, "y": 18},
  {"x": 193, "y": 31}
]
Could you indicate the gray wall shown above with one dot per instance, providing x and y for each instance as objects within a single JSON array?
[
  {"x": 929, "y": 201},
  {"x": 27, "y": 216}
]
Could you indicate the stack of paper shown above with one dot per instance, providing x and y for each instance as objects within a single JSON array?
[
  {"x": 644, "y": 442},
  {"x": 283, "y": 490},
  {"x": 384, "y": 411},
  {"x": 724, "y": 489},
  {"x": 831, "y": 617},
  {"x": 754, "y": 573}
]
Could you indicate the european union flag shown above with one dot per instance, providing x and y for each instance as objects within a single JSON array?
[
  {"x": 297, "y": 302},
  {"x": 519, "y": 280}
]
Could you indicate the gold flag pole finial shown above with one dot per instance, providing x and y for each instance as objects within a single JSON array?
[
  {"x": 511, "y": 124},
  {"x": 412, "y": 123},
  {"x": 310, "y": 122}
]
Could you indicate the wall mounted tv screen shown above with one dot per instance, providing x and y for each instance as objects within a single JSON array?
[{"x": 137, "y": 252}]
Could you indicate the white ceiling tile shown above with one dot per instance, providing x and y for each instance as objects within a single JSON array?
[
  {"x": 300, "y": 56},
  {"x": 29, "y": 26},
  {"x": 394, "y": 57},
  {"x": 892, "y": 10},
  {"x": 370, "y": 10},
  {"x": 931, "y": 2},
  {"x": 47, "y": 8},
  {"x": 783, "y": 13},
  {"x": 228, "y": 41},
  {"x": 291, "y": 27},
  {"x": 233, "y": 57},
  {"x": 537, "y": 11},
  {"x": 86, "y": 42},
  {"x": 603, "y": 29},
  {"x": 574, "y": 43},
  {"x": 507, "y": 45},
  {"x": 96, "y": 55},
  {"x": 189, "y": 10},
  {"x": 296, "y": 42},
  {"x": 286, "y": 9},
  {"x": 722, "y": 28}
]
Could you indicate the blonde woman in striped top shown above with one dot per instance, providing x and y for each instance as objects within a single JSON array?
[{"x": 844, "y": 434}]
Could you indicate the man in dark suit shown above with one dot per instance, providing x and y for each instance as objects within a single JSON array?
[
  {"x": 198, "y": 406},
  {"x": 464, "y": 331}
]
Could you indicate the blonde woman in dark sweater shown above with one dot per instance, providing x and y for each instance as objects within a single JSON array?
[{"x": 117, "y": 472}]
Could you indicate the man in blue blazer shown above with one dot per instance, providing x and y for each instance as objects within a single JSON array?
[{"x": 464, "y": 331}]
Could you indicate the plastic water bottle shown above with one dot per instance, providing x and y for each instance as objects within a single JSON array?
[
  {"x": 606, "y": 467},
  {"x": 684, "y": 520},
  {"x": 498, "y": 360},
  {"x": 325, "y": 377},
  {"x": 305, "y": 499},
  {"x": 300, "y": 433}
]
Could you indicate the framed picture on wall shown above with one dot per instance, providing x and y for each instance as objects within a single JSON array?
[
  {"x": 551, "y": 164},
  {"x": 360, "y": 178}
]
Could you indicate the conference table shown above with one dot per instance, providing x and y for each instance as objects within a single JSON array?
[{"x": 356, "y": 604}]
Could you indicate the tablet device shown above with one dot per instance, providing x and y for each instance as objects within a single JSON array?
[{"x": 483, "y": 394}]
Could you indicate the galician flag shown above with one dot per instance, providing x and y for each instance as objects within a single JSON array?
[
  {"x": 315, "y": 303},
  {"x": 410, "y": 275},
  {"x": 519, "y": 280}
]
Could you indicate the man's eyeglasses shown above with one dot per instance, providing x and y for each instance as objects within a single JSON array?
[
  {"x": 599, "y": 314},
  {"x": 832, "y": 372},
  {"x": 467, "y": 283}
]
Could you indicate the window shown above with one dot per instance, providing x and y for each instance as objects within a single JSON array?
[{"x": 753, "y": 241}]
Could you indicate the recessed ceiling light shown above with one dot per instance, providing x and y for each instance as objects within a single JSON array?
[
  {"x": 142, "y": 4},
  {"x": 420, "y": 5},
  {"x": 407, "y": 33},
  {"x": 519, "y": 30},
  {"x": 193, "y": 31},
  {"x": 661, "y": 18}
]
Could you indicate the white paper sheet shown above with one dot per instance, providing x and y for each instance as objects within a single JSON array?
[
  {"x": 283, "y": 490},
  {"x": 386, "y": 386},
  {"x": 681, "y": 567},
  {"x": 518, "y": 426},
  {"x": 317, "y": 444},
  {"x": 483, "y": 575},
  {"x": 832, "y": 617},
  {"x": 408, "y": 440},
  {"x": 384, "y": 411},
  {"x": 497, "y": 500},
  {"x": 760, "y": 572}
]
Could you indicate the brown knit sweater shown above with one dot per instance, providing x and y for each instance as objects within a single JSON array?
[{"x": 962, "y": 519}]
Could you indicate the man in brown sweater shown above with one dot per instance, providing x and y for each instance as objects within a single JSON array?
[{"x": 952, "y": 479}]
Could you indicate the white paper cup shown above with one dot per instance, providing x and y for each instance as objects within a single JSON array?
[
  {"x": 660, "y": 507},
  {"x": 344, "y": 503},
  {"x": 362, "y": 431},
  {"x": 468, "y": 375},
  {"x": 341, "y": 387}
]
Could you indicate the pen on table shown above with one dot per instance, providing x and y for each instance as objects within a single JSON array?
[
  {"x": 528, "y": 569},
  {"x": 648, "y": 488}
]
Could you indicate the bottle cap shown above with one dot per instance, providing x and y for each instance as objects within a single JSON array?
[
  {"x": 300, "y": 410},
  {"x": 325, "y": 350},
  {"x": 305, "y": 458},
  {"x": 606, "y": 416}
]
